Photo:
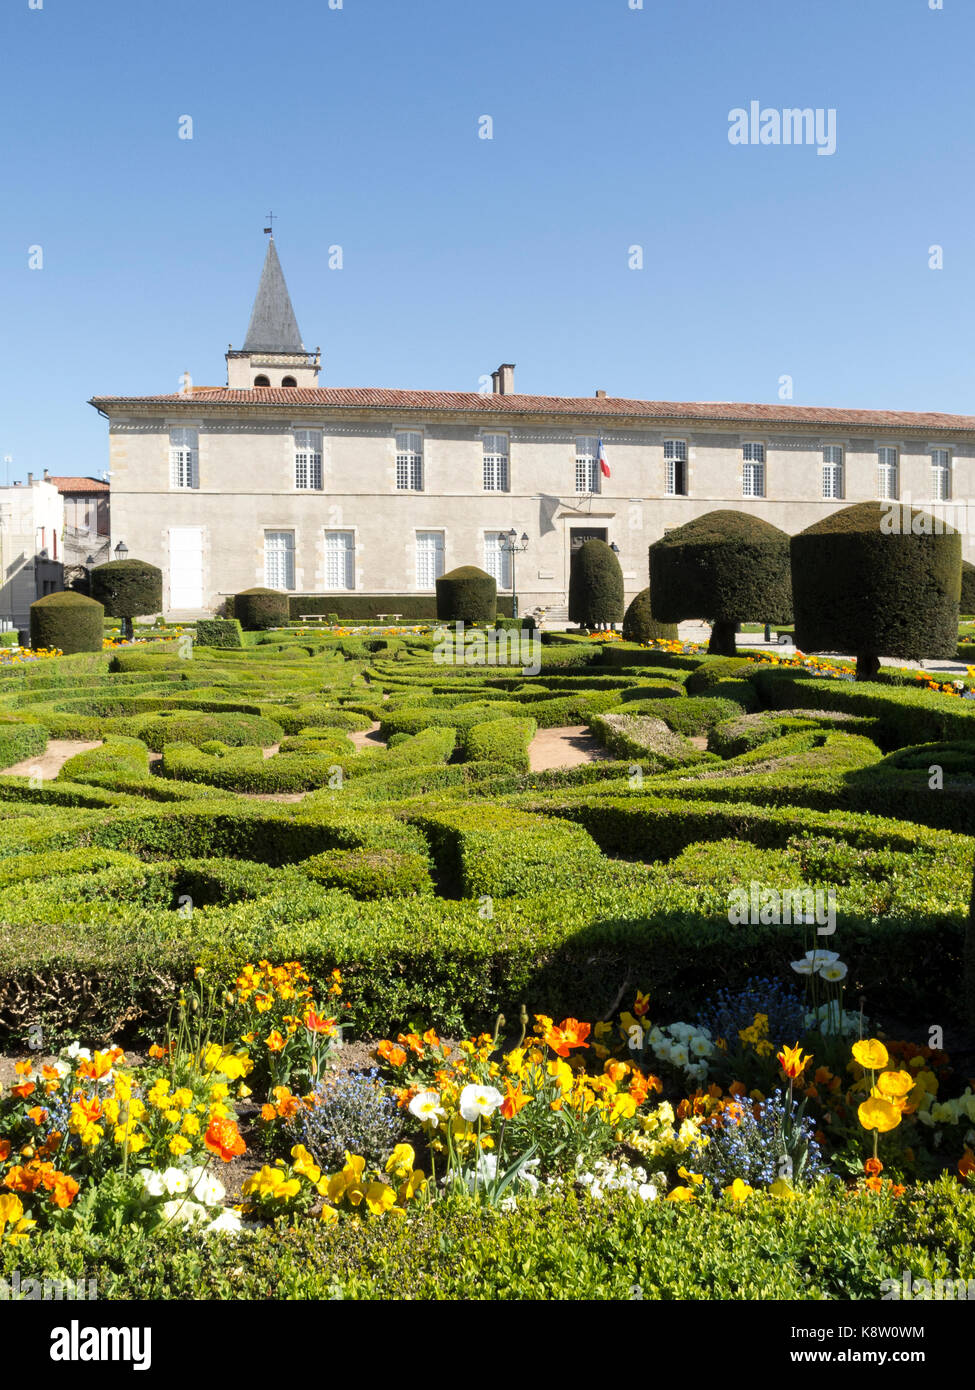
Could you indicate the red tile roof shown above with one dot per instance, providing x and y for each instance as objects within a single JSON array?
[
  {"x": 614, "y": 407},
  {"x": 79, "y": 484}
]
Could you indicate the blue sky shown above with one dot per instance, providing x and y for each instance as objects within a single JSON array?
[{"x": 359, "y": 127}]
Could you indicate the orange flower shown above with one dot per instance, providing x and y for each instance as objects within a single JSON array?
[
  {"x": 872, "y": 1167},
  {"x": 63, "y": 1191},
  {"x": 897, "y": 1189},
  {"x": 156, "y": 1052},
  {"x": 390, "y": 1053},
  {"x": 274, "y": 1041},
  {"x": 792, "y": 1061},
  {"x": 570, "y": 1033},
  {"x": 966, "y": 1164},
  {"x": 315, "y": 1024},
  {"x": 4, "y": 1149},
  {"x": 25, "y": 1089},
  {"x": 514, "y": 1100},
  {"x": 412, "y": 1041},
  {"x": 100, "y": 1065},
  {"x": 616, "y": 1071},
  {"x": 287, "y": 1104},
  {"x": 37, "y": 1113},
  {"x": 642, "y": 1004},
  {"x": 874, "y": 1183},
  {"x": 25, "y": 1177},
  {"x": 224, "y": 1139}
]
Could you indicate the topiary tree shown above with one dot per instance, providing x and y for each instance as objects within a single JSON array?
[
  {"x": 467, "y": 595},
  {"x": 258, "y": 609},
  {"x": 877, "y": 580},
  {"x": 68, "y": 621},
  {"x": 127, "y": 589},
  {"x": 725, "y": 567},
  {"x": 967, "y": 604},
  {"x": 969, "y": 959},
  {"x": 639, "y": 624},
  {"x": 595, "y": 586}
]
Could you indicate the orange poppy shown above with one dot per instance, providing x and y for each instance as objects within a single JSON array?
[
  {"x": 514, "y": 1100},
  {"x": 25, "y": 1089},
  {"x": 563, "y": 1037},
  {"x": 872, "y": 1167},
  {"x": 224, "y": 1139},
  {"x": 315, "y": 1024},
  {"x": 390, "y": 1053}
]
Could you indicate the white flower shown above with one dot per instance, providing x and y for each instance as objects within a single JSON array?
[
  {"x": 205, "y": 1187},
  {"x": 678, "y": 1055},
  {"x": 426, "y": 1106},
  {"x": 802, "y": 967},
  {"x": 227, "y": 1223},
  {"x": 479, "y": 1102},
  {"x": 834, "y": 971},
  {"x": 701, "y": 1046},
  {"x": 152, "y": 1183},
  {"x": 663, "y": 1049},
  {"x": 646, "y": 1192},
  {"x": 184, "y": 1212},
  {"x": 76, "y": 1053},
  {"x": 175, "y": 1180}
]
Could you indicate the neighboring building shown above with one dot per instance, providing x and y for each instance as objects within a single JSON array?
[
  {"x": 86, "y": 524},
  {"x": 274, "y": 481},
  {"x": 31, "y": 523}
]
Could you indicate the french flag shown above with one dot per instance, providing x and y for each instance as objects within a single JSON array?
[{"x": 601, "y": 457}]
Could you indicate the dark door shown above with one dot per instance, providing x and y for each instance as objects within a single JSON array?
[{"x": 580, "y": 534}]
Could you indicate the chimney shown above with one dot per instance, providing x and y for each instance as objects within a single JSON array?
[
  {"x": 600, "y": 395},
  {"x": 46, "y": 475},
  {"x": 504, "y": 379},
  {"x": 30, "y": 479}
]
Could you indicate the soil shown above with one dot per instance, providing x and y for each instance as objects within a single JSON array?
[
  {"x": 50, "y": 762},
  {"x": 367, "y": 738},
  {"x": 568, "y": 746}
]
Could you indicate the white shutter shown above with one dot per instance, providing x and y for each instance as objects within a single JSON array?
[
  {"x": 183, "y": 457},
  {"x": 497, "y": 562},
  {"x": 429, "y": 558},
  {"x": 186, "y": 567},
  {"x": 308, "y": 459},
  {"x": 495, "y": 463},
  {"x": 409, "y": 461},
  {"x": 675, "y": 467},
  {"x": 940, "y": 475},
  {"x": 887, "y": 474},
  {"x": 279, "y": 559},
  {"x": 339, "y": 560},
  {"x": 587, "y": 469}
]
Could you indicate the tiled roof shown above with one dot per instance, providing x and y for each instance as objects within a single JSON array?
[
  {"x": 609, "y": 407},
  {"x": 79, "y": 484}
]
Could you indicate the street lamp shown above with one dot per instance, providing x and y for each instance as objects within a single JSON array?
[
  {"x": 121, "y": 550},
  {"x": 509, "y": 545}
]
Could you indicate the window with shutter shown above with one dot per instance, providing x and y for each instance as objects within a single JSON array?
[
  {"x": 409, "y": 461},
  {"x": 886, "y": 474},
  {"x": 429, "y": 558},
  {"x": 587, "y": 467},
  {"x": 308, "y": 459},
  {"x": 183, "y": 457},
  {"x": 279, "y": 559},
  {"x": 753, "y": 470},
  {"x": 832, "y": 472},
  {"x": 940, "y": 475},
  {"x": 675, "y": 467},
  {"x": 339, "y": 559},
  {"x": 495, "y": 463},
  {"x": 497, "y": 561}
]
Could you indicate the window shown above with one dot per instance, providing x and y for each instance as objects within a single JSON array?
[
  {"x": 279, "y": 559},
  {"x": 832, "y": 471},
  {"x": 261, "y": 381},
  {"x": 675, "y": 467},
  {"x": 183, "y": 458},
  {"x": 339, "y": 559},
  {"x": 495, "y": 463},
  {"x": 753, "y": 470},
  {"x": 587, "y": 465},
  {"x": 429, "y": 558},
  {"x": 288, "y": 381},
  {"x": 409, "y": 461},
  {"x": 308, "y": 459},
  {"x": 940, "y": 475},
  {"x": 886, "y": 473},
  {"x": 497, "y": 562}
]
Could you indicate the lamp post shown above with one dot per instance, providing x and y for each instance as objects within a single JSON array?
[
  {"x": 121, "y": 550},
  {"x": 509, "y": 545},
  {"x": 616, "y": 550}
]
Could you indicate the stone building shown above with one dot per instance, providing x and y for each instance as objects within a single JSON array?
[
  {"x": 31, "y": 551},
  {"x": 86, "y": 525},
  {"x": 273, "y": 480}
]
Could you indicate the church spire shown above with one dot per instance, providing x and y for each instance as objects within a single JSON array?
[
  {"x": 273, "y": 326},
  {"x": 273, "y": 354}
]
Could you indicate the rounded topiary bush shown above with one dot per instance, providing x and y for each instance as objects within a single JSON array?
[
  {"x": 467, "y": 595},
  {"x": 197, "y": 728},
  {"x": 257, "y": 609},
  {"x": 725, "y": 567},
  {"x": 877, "y": 579},
  {"x": 127, "y": 589},
  {"x": 967, "y": 604},
  {"x": 639, "y": 624},
  {"x": 68, "y": 621},
  {"x": 595, "y": 586}
]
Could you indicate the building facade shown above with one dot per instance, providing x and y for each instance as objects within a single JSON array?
[
  {"x": 31, "y": 550},
  {"x": 272, "y": 480},
  {"x": 86, "y": 526}
]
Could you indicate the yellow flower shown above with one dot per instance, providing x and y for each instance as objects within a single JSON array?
[
  {"x": 624, "y": 1108},
  {"x": 696, "y": 1178},
  {"x": 783, "y": 1188},
  {"x": 379, "y": 1198},
  {"x": 271, "y": 1182},
  {"x": 178, "y": 1145},
  {"x": 871, "y": 1054},
  {"x": 328, "y": 1214},
  {"x": 879, "y": 1114},
  {"x": 401, "y": 1160},
  {"x": 738, "y": 1190},
  {"x": 191, "y": 1124},
  {"x": 183, "y": 1097},
  {"x": 305, "y": 1164},
  {"x": 894, "y": 1085},
  {"x": 681, "y": 1194}
]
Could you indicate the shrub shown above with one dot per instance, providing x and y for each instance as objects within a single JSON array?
[
  {"x": 969, "y": 961},
  {"x": 467, "y": 595},
  {"x": 645, "y": 739},
  {"x": 865, "y": 589},
  {"x": 219, "y": 632},
  {"x": 67, "y": 621},
  {"x": 358, "y": 608},
  {"x": 20, "y": 741},
  {"x": 501, "y": 740},
  {"x": 595, "y": 586},
  {"x": 903, "y": 716},
  {"x": 639, "y": 624},
  {"x": 196, "y": 727},
  {"x": 127, "y": 589},
  {"x": 714, "y": 670},
  {"x": 367, "y": 874},
  {"x": 258, "y": 609},
  {"x": 967, "y": 603},
  {"x": 727, "y": 567},
  {"x": 116, "y": 758}
]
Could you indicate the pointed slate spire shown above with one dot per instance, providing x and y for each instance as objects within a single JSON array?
[{"x": 273, "y": 326}]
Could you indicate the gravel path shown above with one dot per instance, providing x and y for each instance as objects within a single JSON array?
[
  {"x": 50, "y": 762},
  {"x": 567, "y": 746}
]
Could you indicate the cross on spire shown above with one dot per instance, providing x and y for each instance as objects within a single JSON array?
[{"x": 269, "y": 231}]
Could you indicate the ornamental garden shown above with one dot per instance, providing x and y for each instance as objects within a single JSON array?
[{"x": 314, "y": 983}]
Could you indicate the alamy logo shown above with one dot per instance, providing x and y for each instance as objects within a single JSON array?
[
  {"x": 76, "y": 1343},
  {"x": 793, "y": 125},
  {"x": 758, "y": 906},
  {"x": 15, "y": 1289},
  {"x": 909, "y": 1289},
  {"x": 457, "y": 646}
]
